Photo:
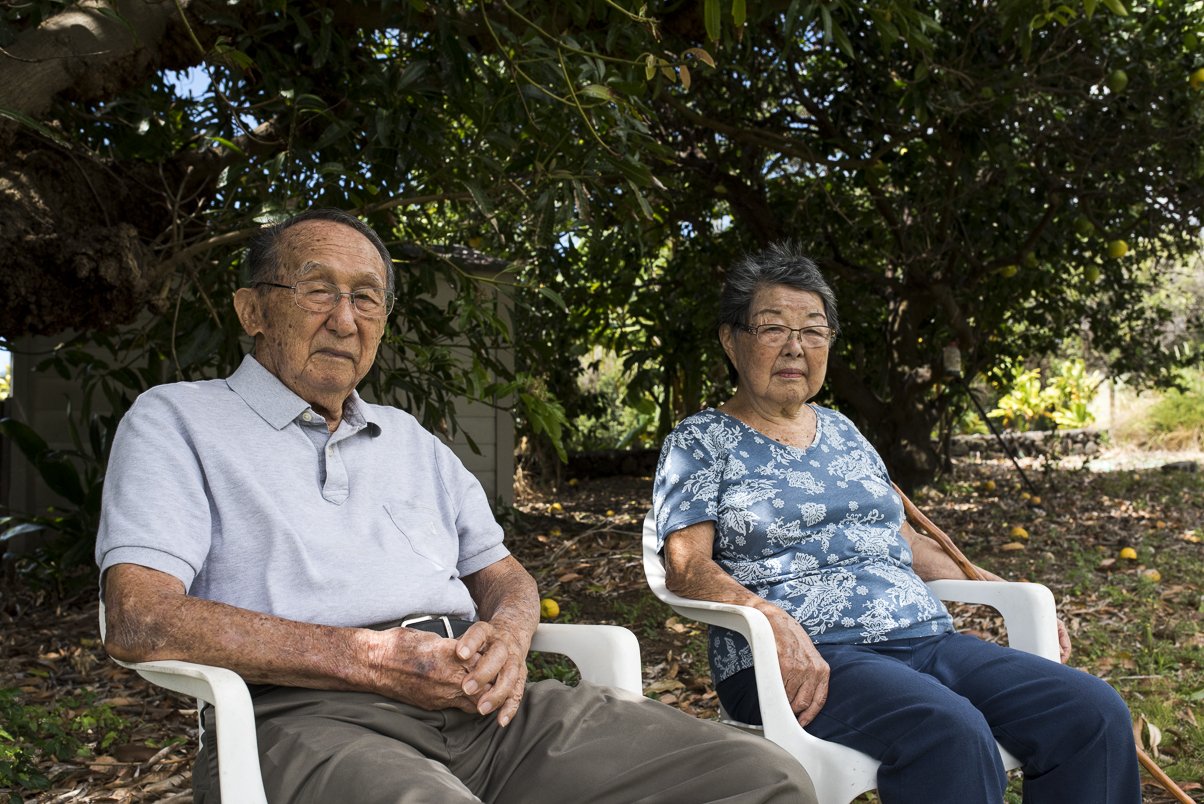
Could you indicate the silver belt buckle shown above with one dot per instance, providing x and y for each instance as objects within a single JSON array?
[{"x": 447, "y": 627}]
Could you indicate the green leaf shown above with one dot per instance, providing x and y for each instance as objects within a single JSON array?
[
  {"x": 32, "y": 445},
  {"x": 598, "y": 91},
  {"x": 229, "y": 144},
  {"x": 1116, "y": 7},
  {"x": 480, "y": 198},
  {"x": 20, "y": 530},
  {"x": 700, "y": 54},
  {"x": 739, "y": 13},
  {"x": 30, "y": 123},
  {"x": 553, "y": 297},
  {"x": 61, "y": 476},
  {"x": 712, "y": 17}
]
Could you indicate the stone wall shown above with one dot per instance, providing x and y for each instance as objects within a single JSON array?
[{"x": 1038, "y": 442}]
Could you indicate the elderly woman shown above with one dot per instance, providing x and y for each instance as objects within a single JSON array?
[{"x": 771, "y": 502}]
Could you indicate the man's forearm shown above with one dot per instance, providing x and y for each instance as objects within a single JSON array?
[
  {"x": 149, "y": 618},
  {"x": 506, "y": 596}
]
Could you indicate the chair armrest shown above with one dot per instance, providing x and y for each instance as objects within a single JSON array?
[
  {"x": 777, "y": 718},
  {"x": 605, "y": 654},
  {"x": 1028, "y": 610},
  {"x": 237, "y": 747}
]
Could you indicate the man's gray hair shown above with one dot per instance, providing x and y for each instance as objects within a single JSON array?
[
  {"x": 779, "y": 264},
  {"x": 263, "y": 251}
]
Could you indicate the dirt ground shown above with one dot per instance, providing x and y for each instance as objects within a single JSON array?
[{"x": 582, "y": 543}]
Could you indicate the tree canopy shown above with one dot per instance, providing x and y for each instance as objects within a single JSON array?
[{"x": 967, "y": 173}]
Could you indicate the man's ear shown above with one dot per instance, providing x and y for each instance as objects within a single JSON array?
[{"x": 247, "y": 304}]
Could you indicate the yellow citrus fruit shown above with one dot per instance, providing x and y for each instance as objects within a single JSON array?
[
  {"x": 1024, "y": 495},
  {"x": 610, "y": 512},
  {"x": 573, "y": 481},
  {"x": 1151, "y": 575},
  {"x": 1129, "y": 553},
  {"x": 1160, "y": 524},
  {"x": 1117, "y": 249},
  {"x": 549, "y": 608},
  {"x": 1018, "y": 532},
  {"x": 556, "y": 506},
  {"x": 1008, "y": 271},
  {"x": 988, "y": 485},
  {"x": 1010, "y": 546},
  {"x": 1196, "y": 79},
  {"x": 1035, "y": 500}
]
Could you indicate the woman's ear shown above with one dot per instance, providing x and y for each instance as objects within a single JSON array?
[
  {"x": 250, "y": 315},
  {"x": 727, "y": 338}
]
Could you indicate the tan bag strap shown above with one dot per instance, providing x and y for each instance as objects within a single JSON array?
[{"x": 925, "y": 525}]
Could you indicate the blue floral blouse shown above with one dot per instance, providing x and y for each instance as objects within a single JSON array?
[{"x": 815, "y": 531}]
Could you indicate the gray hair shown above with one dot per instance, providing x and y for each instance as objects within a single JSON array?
[
  {"x": 779, "y": 264},
  {"x": 263, "y": 251}
]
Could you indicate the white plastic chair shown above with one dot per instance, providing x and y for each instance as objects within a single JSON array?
[
  {"x": 839, "y": 773},
  {"x": 604, "y": 654}
]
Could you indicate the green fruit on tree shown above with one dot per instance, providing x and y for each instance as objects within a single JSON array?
[
  {"x": 1030, "y": 260},
  {"x": 1196, "y": 79},
  {"x": 1083, "y": 226},
  {"x": 1091, "y": 273},
  {"x": 1117, "y": 249},
  {"x": 1008, "y": 271},
  {"x": 1117, "y": 81}
]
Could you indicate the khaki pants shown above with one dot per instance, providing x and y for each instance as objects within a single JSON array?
[{"x": 567, "y": 744}]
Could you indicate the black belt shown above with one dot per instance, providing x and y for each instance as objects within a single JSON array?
[{"x": 450, "y": 627}]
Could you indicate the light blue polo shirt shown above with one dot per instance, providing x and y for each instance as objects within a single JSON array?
[{"x": 234, "y": 487}]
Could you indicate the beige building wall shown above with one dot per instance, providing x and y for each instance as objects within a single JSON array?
[{"x": 42, "y": 399}]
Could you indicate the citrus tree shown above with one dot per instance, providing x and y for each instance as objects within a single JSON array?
[
  {"x": 979, "y": 176},
  {"x": 980, "y": 184}
]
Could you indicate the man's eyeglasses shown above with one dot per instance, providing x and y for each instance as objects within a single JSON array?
[
  {"x": 322, "y": 297},
  {"x": 777, "y": 335}
]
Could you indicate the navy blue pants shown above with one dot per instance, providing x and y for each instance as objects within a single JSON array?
[{"x": 931, "y": 709}]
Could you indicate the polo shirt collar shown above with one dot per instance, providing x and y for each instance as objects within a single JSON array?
[{"x": 265, "y": 394}]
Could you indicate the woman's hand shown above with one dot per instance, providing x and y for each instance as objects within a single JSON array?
[
  {"x": 804, "y": 672},
  {"x": 1063, "y": 642}
]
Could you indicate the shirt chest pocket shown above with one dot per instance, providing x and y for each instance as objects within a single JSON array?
[{"x": 422, "y": 529}]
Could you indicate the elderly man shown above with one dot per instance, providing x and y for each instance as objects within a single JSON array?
[{"x": 276, "y": 524}]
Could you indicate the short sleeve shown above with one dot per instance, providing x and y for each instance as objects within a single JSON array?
[
  {"x": 480, "y": 536},
  {"x": 686, "y": 487},
  {"x": 155, "y": 511}
]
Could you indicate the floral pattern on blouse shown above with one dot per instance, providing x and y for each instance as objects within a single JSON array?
[{"x": 815, "y": 531}]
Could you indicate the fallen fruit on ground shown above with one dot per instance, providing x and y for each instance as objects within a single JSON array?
[
  {"x": 549, "y": 608},
  {"x": 1152, "y": 575},
  {"x": 1018, "y": 532},
  {"x": 1129, "y": 553}
]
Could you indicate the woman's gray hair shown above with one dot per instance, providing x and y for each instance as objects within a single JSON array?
[
  {"x": 779, "y": 264},
  {"x": 263, "y": 251}
]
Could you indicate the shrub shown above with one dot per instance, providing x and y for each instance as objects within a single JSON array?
[
  {"x": 1062, "y": 401},
  {"x": 70, "y": 726},
  {"x": 1175, "y": 421}
]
